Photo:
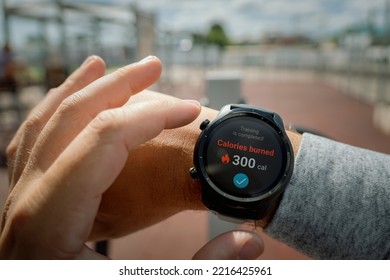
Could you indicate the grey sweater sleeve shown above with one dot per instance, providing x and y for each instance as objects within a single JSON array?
[{"x": 337, "y": 204}]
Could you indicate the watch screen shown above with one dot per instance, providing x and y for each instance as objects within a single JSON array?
[{"x": 245, "y": 156}]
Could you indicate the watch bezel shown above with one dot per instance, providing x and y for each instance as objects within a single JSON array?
[{"x": 268, "y": 118}]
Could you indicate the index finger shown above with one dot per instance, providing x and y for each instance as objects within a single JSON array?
[
  {"x": 25, "y": 138},
  {"x": 75, "y": 112}
]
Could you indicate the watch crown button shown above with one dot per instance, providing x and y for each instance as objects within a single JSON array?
[
  {"x": 194, "y": 173},
  {"x": 204, "y": 124}
]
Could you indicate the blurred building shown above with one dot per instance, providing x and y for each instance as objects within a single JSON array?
[{"x": 65, "y": 32}]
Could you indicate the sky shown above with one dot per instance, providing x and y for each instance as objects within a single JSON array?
[
  {"x": 253, "y": 18},
  {"x": 250, "y": 19}
]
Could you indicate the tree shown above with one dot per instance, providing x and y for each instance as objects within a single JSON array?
[{"x": 217, "y": 36}]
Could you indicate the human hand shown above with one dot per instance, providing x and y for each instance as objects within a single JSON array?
[{"x": 69, "y": 152}]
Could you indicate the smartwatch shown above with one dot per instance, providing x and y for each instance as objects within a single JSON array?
[{"x": 244, "y": 160}]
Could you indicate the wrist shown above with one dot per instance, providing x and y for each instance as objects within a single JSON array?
[
  {"x": 261, "y": 211},
  {"x": 155, "y": 183},
  {"x": 183, "y": 141},
  {"x": 295, "y": 139}
]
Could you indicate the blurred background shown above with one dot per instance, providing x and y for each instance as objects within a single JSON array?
[{"x": 324, "y": 65}]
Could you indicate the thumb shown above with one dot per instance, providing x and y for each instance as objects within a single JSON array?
[{"x": 232, "y": 245}]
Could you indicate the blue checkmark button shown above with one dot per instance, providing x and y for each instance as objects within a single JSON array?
[{"x": 240, "y": 180}]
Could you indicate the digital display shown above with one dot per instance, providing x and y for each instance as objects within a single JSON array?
[{"x": 244, "y": 156}]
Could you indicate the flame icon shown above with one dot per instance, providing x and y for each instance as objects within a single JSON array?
[{"x": 225, "y": 159}]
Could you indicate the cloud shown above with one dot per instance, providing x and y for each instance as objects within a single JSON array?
[{"x": 252, "y": 18}]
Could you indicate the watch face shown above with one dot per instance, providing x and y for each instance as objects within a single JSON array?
[{"x": 244, "y": 156}]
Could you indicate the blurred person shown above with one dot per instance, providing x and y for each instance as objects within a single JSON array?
[
  {"x": 91, "y": 163},
  {"x": 8, "y": 67}
]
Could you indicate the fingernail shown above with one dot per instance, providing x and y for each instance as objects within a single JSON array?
[
  {"x": 191, "y": 101},
  {"x": 88, "y": 60},
  {"x": 251, "y": 250},
  {"x": 147, "y": 59}
]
